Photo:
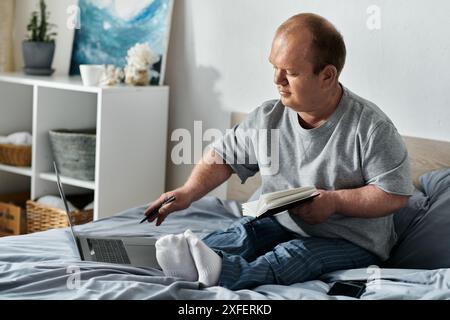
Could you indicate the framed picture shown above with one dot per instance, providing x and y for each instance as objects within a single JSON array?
[{"x": 109, "y": 28}]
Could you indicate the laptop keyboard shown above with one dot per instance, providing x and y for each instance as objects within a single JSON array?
[{"x": 109, "y": 250}]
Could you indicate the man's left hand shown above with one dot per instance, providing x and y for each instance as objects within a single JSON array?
[{"x": 318, "y": 210}]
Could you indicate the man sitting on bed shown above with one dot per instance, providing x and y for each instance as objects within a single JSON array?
[{"x": 329, "y": 138}]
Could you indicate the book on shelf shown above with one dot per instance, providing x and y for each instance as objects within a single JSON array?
[{"x": 272, "y": 203}]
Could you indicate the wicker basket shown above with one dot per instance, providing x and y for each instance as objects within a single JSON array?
[
  {"x": 41, "y": 217},
  {"x": 15, "y": 155}
]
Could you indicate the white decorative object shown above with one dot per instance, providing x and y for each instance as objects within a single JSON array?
[
  {"x": 140, "y": 58},
  {"x": 56, "y": 202},
  {"x": 18, "y": 138},
  {"x": 89, "y": 206},
  {"x": 91, "y": 73},
  {"x": 112, "y": 76}
]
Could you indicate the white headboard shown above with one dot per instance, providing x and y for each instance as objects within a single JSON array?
[{"x": 425, "y": 155}]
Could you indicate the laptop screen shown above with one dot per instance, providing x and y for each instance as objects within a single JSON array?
[{"x": 69, "y": 216}]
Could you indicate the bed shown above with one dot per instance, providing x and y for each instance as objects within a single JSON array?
[{"x": 45, "y": 265}]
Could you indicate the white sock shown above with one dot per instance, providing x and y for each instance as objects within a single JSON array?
[
  {"x": 207, "y": 262},
  {"x": 174, "y": 257}
]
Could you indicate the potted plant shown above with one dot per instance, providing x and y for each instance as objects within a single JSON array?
[{"x": 38, "y": 50}]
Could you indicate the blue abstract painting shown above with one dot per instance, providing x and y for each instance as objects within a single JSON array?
[{"x": 108, "y": 28}]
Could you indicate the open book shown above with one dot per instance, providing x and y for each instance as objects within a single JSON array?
[{"x": 279, "y": 201}]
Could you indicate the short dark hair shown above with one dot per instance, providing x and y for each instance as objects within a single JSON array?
[{"x": 328, "y": 46}]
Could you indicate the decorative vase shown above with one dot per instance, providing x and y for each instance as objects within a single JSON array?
[{"x": 38, "y": 57}]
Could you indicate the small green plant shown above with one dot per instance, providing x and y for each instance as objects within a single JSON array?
[{"x": 39, "y": 27}]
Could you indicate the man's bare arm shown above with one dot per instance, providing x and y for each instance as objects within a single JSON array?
[
  {"x": 365, "y": 202},
  {"x": 209, "y": 173}
]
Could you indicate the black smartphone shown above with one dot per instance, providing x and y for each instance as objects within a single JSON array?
[{"x": 347, "y": 288}]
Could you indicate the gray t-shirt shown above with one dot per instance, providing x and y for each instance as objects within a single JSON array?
[{"x": 357, "y": 146}]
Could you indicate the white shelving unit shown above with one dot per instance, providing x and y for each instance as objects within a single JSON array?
[
  {"x": 131, "y": 124},
  {"x": 18, "y": 170}
]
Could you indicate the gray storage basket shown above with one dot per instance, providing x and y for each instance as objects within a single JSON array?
[{"x": 74, "y": 152}]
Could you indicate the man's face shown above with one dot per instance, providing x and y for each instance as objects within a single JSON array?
[{"x": 291, "y": 58}]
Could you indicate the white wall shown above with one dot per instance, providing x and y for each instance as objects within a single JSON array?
[{"x": 218, "y": 60}]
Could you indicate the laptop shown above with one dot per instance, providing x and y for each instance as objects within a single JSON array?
[{"x": 138, "y": 251}]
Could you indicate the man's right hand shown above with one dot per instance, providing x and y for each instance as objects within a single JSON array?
[
  {"x": 209, "y": 173},
  {"x": 182, "y": 201}
]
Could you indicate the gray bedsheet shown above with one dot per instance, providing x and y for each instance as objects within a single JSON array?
[{"x": 42, "y": 266}]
